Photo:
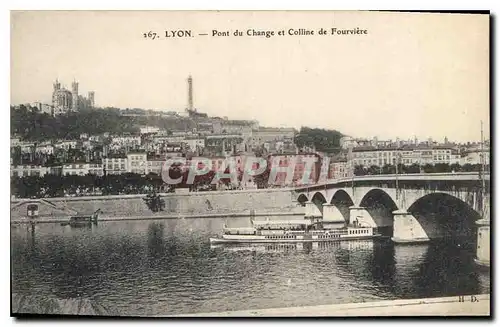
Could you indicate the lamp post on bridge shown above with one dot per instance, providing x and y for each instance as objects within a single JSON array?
[
  {"x": 483, "y": 165},
  {"x": 483, "y": 232},
  {"x": 398, "y": 155},
  {"x": 349, "y": 158}
]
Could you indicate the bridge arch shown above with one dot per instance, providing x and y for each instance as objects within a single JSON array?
[
  {"x": 319, "y": 199},
  {"x": 380, "y": 207},
  {"x": 342, "y": 200},
  {"x": 302, "y": 199},
  {"x": 444, "y": 216}
]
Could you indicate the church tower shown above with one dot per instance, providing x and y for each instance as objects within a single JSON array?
[
  {"x": 74, "y": 93},
  {"x": 57, "y": 87},
  {"x": 91, "y": 99}
]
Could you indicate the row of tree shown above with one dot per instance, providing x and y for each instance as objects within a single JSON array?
[
  {"x": 129, "y": 183},
  {"x": 58, "y": 186},
  {"x": 415, "y": 168}
]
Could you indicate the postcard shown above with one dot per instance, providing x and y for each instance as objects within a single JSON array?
[{"x": 250, "y": 163}]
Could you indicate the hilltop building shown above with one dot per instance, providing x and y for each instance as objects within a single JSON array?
[{"x": 64, "y": 100}]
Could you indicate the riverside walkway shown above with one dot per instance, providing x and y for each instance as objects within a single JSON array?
[
  {"x": 168, "y": 216},
  {"x": 475, "y": 305}
]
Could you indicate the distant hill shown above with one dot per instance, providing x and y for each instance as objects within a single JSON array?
[{"x": 32, "y": 125}]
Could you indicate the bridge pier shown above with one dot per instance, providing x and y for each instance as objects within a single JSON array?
[
  {"x": 361, "y": 217},
  {"x": 312, "y": 210},
  {"x": 407, "y": 229},
  {"x": 483, "y": 243},
  {"x": 332, "y": 217}
]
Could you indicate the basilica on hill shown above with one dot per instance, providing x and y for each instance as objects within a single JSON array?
[{"x": 64, "y": 100}]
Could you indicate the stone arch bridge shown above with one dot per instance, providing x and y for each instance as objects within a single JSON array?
[{"x": 408, "y": 206}]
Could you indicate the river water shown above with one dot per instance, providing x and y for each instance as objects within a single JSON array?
[{"x": 168, "y": 267}]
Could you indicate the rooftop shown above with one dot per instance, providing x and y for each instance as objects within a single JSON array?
[
  {"x": 116, "y": 156},
  {"x": 276, "y": 129},
  {"x": 406, "y": 147}
]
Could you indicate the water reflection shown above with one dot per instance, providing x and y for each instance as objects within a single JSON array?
[
  {"x": 447, "y": 269},
  {"x": 165, "y": 267},
  {"x": 156, "y": 243}
]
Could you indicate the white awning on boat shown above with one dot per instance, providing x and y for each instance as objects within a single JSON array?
[
  {"x": 242, "y": 229},
  {"x": 281, "y": 222}
]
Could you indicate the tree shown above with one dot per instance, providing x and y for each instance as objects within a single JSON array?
[
  {"x": 321, "y": 139},
  {"x": 413, "y": 169},
  {"x": 455, "y": 167},
  {"x": 154, "y": 202},
  {"x": 262, "y": 180},
  {"x": 442, "y": 168},
  {"x": 205, "y": 180},
  {"x": 260, "y": 151},
  {"x": 471, "y": 167},
  {"x": 401, "y": 169},
  {"x": 428, "y": 168},
  {"x": 359, "y": 170},
  {"x": 374, "y": 170},
  {"x": 388, "y": 169}
]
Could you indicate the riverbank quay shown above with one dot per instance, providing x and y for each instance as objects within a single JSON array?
[
  {"x": 245, "y": 214},
  {"x": 467, "y": 305},
  {"x": 176, "y": 205}
]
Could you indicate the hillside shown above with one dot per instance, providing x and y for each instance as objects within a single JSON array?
[{"x": 31, "y": 125}]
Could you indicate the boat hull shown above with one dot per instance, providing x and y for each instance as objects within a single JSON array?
[
  {"x": 217, "y": 240},
  {"x": 83, "y": 224}
]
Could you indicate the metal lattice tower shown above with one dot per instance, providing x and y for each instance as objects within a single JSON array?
[{"x": 190, "y": 93}]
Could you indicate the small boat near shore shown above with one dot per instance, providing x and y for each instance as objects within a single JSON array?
[
  {"x": 82, "y": 220},
  {"x": 292, "y": 231}
]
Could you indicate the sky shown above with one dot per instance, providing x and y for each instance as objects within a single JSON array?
[{"x": 412, "y": 74}]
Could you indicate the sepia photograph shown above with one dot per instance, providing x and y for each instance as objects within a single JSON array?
[{"x": 249, "y": 164}]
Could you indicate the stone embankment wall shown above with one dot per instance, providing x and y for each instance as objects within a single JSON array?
[{"x": 191, "y": 204}]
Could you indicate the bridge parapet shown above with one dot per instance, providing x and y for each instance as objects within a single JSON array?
[{"x": 429, "y": 177}]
